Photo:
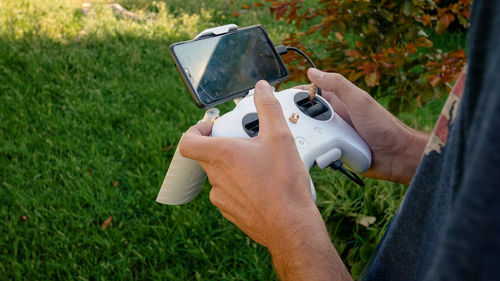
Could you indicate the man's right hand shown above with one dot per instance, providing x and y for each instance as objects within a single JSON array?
[{"x": 396, "y": 148}]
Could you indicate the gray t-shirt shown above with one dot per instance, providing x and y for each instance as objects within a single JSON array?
[{"x": 448, "y": 225}]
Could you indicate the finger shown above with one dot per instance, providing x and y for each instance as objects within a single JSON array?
[
  {"x": 196, "y": 144},
  {"x": 353, "y": 97},
  {"x": 338, "y": 106},
  {"x": 203, "y": 128},
  {"x": 271, "y": 118}
]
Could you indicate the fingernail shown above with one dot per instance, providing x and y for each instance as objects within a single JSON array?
[
  {"x": 262, "y": 85},
  {"x": 316, "y": 74}
]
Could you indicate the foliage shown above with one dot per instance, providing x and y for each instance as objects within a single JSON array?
[{"x": 382, "y": 46}]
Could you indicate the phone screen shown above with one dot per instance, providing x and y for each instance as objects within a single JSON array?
[{"x": 225, "y": 67}]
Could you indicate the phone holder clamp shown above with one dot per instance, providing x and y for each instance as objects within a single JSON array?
[{"x": 217, "y": 30}]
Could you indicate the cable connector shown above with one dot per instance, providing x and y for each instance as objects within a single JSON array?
[{"x": 281, "y": 49}]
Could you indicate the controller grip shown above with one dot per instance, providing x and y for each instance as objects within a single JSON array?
[{"x": 183, "y": 181}]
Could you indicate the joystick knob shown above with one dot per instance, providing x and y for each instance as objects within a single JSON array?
[{"x": 316, "y": 108}]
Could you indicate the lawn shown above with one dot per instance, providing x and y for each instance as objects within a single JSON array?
[{"x": 91, "y": 109}]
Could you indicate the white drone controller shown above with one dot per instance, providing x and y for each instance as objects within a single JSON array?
[{"x": 322, "y": 137}]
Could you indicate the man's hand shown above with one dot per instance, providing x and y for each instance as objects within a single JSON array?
[
  {"x": 396, "y": 148},
  {"x": 263, "y": 187}
]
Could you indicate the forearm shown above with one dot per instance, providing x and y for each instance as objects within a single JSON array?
[{"x": 305, "y": 252}]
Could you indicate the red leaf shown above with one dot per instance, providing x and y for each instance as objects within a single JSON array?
[
  {"x": 279, "y": 10},
  {"x": 411, "y": 48},
  {"x": 325, "y": 30},
  {"x": 107, "y": 222},
  {"x": 369, "y": 68},
  {"x": 386, "y": 64},
  {"x": 339, "y": 37},
  {"x": 168, "y": 148},
  {"x": 115, "y": 183},
  {"x": 372, "y": 79},
  {"x": 424, "y": 42},
  {"x": 425, "y": 19},
  {"x": 313, "y": 28},
  {"x": 245, "y": 6},
  {"x": 443, "y": 23},
  {"x": 257, "y": 4},
  {"x": 435, "y": 81},
  {"x": 352, "y": 53}
]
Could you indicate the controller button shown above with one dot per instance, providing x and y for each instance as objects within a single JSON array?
[
  {"x": 300, "y": 141},
  {"x": 316, "y": 109},
  {"x": 250, "y": 124},
  {"x": 294, "y": 118}
]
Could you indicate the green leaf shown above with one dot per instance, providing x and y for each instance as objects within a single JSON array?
[
  {"x": 388, "y": 16},
  {"x": 417, "y": 69},
  {"x": 462, "y": 20},
  {"x": 407, "y": 8}
]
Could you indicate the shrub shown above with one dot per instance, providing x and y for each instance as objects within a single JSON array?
[{"x": 382, "y": 46}]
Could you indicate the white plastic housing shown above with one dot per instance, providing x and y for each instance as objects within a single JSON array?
[
  {"x": 314, "y": 138},
  {"x": 321, "y": 142}
]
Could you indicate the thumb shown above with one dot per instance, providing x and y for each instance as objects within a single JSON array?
[
  {"x": 271, "y": 118},
  {"x": 352, "y": 96}
]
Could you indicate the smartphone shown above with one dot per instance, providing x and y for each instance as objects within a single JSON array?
[{"x": 219, "y": 68}]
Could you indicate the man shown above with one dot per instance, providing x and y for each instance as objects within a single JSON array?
[{"x": 448, "y": 226}]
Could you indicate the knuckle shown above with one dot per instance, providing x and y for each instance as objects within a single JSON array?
[
  {"x": 212, "y": 177},
  {"x": 365, "y": 98},
  {"x": 183, "y": 148},
  {"x": 214, "y": 196},
  {"x": 270, "y": 103}
]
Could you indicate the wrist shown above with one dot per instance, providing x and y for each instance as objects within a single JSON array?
[
  {"x": 304, "y": 251},
  {"x": 409, "y": 156},
  {"x": 296, "y": 230}
]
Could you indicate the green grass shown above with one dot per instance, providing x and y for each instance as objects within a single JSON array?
[{"x": 90, "y": 108}]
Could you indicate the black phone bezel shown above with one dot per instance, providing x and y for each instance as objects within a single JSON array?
[{"x": 192, "y": 91}]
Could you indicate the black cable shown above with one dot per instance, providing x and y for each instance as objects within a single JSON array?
[
  {"x": 338, "y": 165},
  {"x": 281, "y": 49},
  {"x": 302, "y": 54}
]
